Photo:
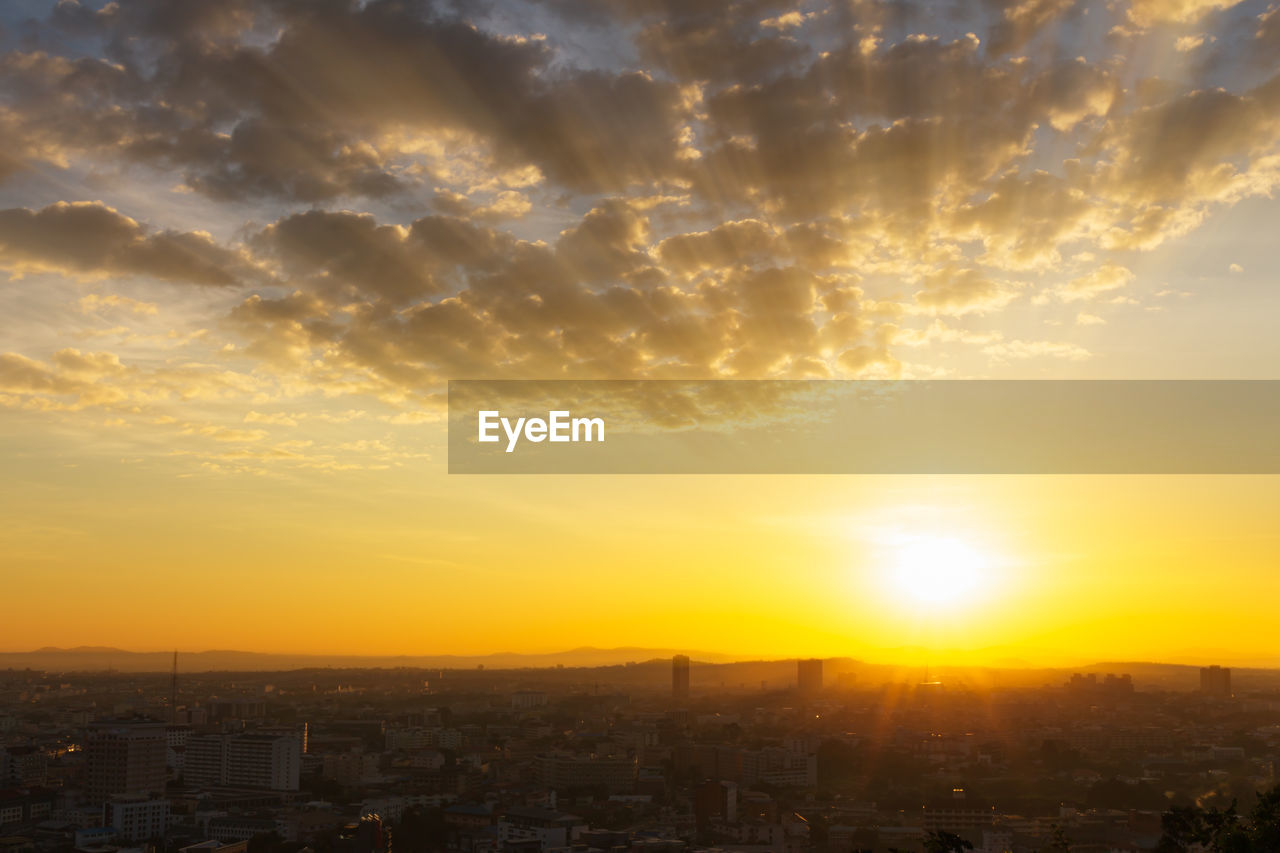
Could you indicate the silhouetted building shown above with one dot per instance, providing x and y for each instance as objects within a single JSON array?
[
  {"x": 363, "y": 836},
  {"x": 124, "y": 757},
  {"x": 680, "y": 677},
  {"x": 715, "y": 799},
  {"x": 1110, "y": 685},
  {"x": 809, "y": 675},
  {"x": 1215, "y": 680}
]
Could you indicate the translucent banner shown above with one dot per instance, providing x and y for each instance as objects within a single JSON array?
[{"x": 863, "y": 427}]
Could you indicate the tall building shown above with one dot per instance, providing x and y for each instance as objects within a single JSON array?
[
  {"x": 809, "y": 675},
  {"x": 680, "y": 677},
  {"x": 124, "y": 757},
  {"x": 266, "y": 761},
  {"x": 1215, "y": 680}
]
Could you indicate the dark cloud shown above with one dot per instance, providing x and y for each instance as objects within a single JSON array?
[
  {"x": 347, "y": 254},
  {"x": 91, "y": 239},
  {"x": 751, "y": 188},
  {"x": 307, "y": 115},
  {"x": 1019, "y": 21}
]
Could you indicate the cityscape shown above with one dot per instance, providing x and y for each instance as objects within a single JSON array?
[
  {"x": 651, "y": 756},
  {"x": 639, "y": 426}
]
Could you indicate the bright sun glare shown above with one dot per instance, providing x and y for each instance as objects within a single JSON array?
[{"x": 938, "y": 572}]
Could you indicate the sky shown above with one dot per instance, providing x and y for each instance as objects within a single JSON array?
[{"x": 245, "y": 243}]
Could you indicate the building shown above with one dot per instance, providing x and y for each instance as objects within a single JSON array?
[
  {"x": 1111, "y": 685},
  {"x": 1215, "y": 681},
  {"x": 22, "y": 767},
  {"x": 124, "y": 758},
  {"x": 212, "y": 846},
  {"x": 408, "y": 739},
  {"x": 137, "y": 818},
  {"x": 778, "y": 767},
  {"x": 364, "y": 836},
  {"x": 264, "y": 761},
  {"x": 809, "y": 675},
  {"x": 958, "y": 814},
  {"x": 568, "y": 772},
  {"x": 549, "y": 829},
  {"x": 680, "y": 677},
  {"x": 523, "y": 700},
  {"x": 204, "y": 760},
  {"x": 349, "y": 768},
  {"x": 230, "y": 829},
  {"x": 771, "y": 765},
  {"x": 20, "y": 807},
  {"x": 267, "y": 761},
  {"x": 715, "y": 800}
]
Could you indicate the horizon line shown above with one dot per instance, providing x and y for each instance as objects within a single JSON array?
[{"x": 728, "y": 658}]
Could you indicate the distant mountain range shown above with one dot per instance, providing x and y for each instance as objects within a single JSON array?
[{"x": 101, "y": 658}]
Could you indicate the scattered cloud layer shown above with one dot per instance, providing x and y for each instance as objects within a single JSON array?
[{"x": 400, "y": 193}]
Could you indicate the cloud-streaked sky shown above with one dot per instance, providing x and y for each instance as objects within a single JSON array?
[{"x": 245, "y": 242}]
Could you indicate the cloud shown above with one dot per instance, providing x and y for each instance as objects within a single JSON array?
[
  {"x": 396, "y": 193},
  {"x": 961, "y": 291},
  {"x": 1022, "y": 20},
  {"x": 1019, "y": 349},
  {"x": 92, "y": 240},
  {"x": 1104, "y": 280},
  {"x": 726, "y": 245},
  {"x": 272, "y": 419},
  {"x": 314, "y": 114},
  {"x": 1147, "y": 13},
  {"x": 348, "y": 254},
  {"x": 508, "y": 204},
  {"x": 1194, "y": 148},
  {"x": 95, "y": 302}
]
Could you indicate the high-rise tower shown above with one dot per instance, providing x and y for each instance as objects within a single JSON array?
[{"x": 680, "y": 677}]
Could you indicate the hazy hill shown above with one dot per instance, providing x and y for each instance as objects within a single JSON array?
[{"x": 100, "y": 658}]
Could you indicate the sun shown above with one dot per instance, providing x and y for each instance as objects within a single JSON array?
[{"x": 936, "y": 572}]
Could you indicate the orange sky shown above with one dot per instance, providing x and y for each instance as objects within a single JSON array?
[{"x": 243, "y": 249}]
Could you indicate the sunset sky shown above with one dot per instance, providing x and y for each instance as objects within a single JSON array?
[{"x": 245, "y": 243}]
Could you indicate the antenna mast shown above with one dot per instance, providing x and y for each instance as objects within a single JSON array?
[{"x": 173, "y": 691}]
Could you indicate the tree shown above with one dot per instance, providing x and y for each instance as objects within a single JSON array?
[
  {"x": 421, "y": 830},
  {"x": 939, "y": 841},
  {"x": 1059, "y": 842},
  {"x": 1224, "y": 830},
  {"x": 264, "y": 842}
]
